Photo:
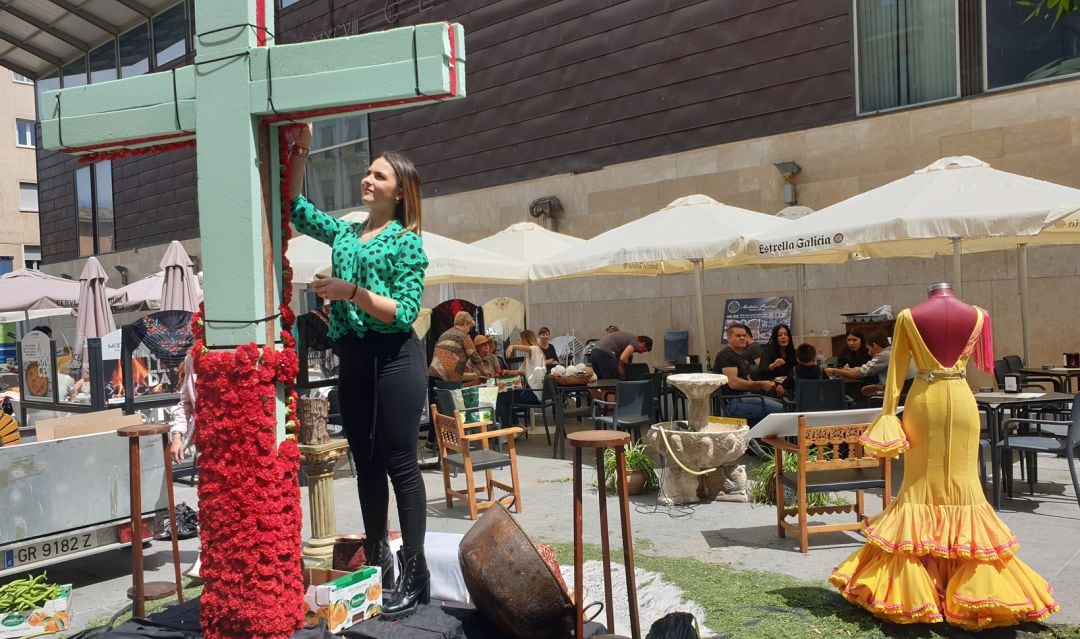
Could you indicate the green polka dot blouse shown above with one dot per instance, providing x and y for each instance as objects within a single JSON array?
[{"x": 391, "y": 264}]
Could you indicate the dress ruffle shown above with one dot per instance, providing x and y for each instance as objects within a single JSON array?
[
  {"x": 958, "y": 532},
  {"x": 903, "y": 588},
  {"x": 885, "y": 437}
]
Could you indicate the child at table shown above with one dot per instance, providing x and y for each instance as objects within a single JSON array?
[{"x": 806, "y": 367}]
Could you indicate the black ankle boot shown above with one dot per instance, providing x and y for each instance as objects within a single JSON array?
[
  {"x": 414, "y": 587},
  {"x": 377, "y": 553}
]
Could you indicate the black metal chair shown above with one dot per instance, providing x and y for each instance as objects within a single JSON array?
[
  {"x": 632, "y": 408},
  {"x": 1031, "y": 445},
  {"x": 1015, "y": 364},
  {"x": 547, "y": 400},
  {"x": 813, "y": 395}
]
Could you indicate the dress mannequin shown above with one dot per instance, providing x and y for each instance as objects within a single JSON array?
[
  {"x": 945, "y": 323},
  {"x": 939, "y": 552}
]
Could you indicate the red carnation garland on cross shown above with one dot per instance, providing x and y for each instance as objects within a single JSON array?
[{"x": 249, "y": 495}]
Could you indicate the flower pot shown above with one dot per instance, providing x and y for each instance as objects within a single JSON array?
[{"x": 635, "y": 482}]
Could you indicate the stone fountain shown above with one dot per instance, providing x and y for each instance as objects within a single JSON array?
[{"x": 700, "y": 461}]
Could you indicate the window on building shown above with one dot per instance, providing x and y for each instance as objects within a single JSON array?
[
  {"x": 339, "y": 159},
  {"x": 31, "y": 256},
  {"x": 24, "y": 133},
  {"x": 94, "y": 208},
  {"x": 75, "y": 72},
  {"x": 1020, "y": 50},
  {"x": 288, "y": 3},
  {"x": 103, "y": 63},
  {"x": 20, "y": 78},
  {"x": 28, "y": 197},
  {"x": 7, "y": 262},
  {"x": 135, "y": 51},
  {"x": 170, "y": 35},
  {"x": 907, "y": 52}
]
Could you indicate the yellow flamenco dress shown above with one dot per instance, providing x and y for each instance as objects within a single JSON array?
[{"x": 938, "y": 552}]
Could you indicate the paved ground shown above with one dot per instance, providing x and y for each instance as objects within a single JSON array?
[{"x": 1048, "y": 525}]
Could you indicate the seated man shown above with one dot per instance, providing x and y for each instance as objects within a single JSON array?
[
  {"x": 806, "y": 367},
  {"x": 870, "y": 375},
  {"x": 485, "y": 347},
  {"x": 741, "y": 391}
]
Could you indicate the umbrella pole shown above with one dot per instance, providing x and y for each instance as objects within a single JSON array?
[
  {"x": 526, "y": 302},
  {"x": 1025, "y": 329},
  {"x": 800, "y": 283},
  {"x": 957, "y": 273},
  {"x": 699, "y": 285}
]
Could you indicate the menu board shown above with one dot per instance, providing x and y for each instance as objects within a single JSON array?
[
  {"x": 761, "y": 314},
  {"x": 38, "y": 376}
]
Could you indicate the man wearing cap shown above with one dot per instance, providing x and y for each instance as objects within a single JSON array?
[{"x": 485, "y": 349}]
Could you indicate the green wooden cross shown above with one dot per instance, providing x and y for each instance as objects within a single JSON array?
[{"x": 239, "y": 83}]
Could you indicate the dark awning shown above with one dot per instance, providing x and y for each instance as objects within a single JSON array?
[{"x": 36, "y": 36}]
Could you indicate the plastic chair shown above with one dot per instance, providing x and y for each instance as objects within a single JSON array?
[
  {"x": 1015, "y": 364},
  {"x": 632, "y": 408},
  {"x": 635, "y": 372},
  {"x": 547, "y": 400},
  {"x": 1031, "y": 445}
]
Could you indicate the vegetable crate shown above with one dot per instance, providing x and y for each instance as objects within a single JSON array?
[{"x": 53, "y": 616}]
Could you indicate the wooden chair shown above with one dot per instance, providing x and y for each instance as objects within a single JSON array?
[
  {"x": 831, "y": 459},
  {"x": 455, "y": 435}
]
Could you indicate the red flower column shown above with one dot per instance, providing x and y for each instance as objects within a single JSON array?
[{"x": 249, "y": 499}]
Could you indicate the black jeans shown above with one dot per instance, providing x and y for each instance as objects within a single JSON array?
[{"x": 382, "y": 388}]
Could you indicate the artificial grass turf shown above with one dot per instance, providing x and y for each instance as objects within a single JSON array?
[{"x": 744, "y": 604}]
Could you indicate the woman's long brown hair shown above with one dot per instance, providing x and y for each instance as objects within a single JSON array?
[
  {"x": 528, "y": 337},
  {"x": 408, "y": 210}
]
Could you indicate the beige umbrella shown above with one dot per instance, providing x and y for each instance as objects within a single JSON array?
[
  {"x": 180, "y": 290},
  {"x": 28, "y": 294},
  {"x": 95, "y": 319},
  {"x": 955, "y": 205},
  {"x": 691, "y": 234},
  {"x": 527, "y": 242}
]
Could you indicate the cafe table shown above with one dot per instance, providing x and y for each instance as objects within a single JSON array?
[
  {"x": 994, "y": 404},
  {"x": 1065, "y": 374}
]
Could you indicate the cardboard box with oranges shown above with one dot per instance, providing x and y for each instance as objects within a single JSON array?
[
  {"x": 53, "y": 616},
  {"x": 342, "y": 599}
]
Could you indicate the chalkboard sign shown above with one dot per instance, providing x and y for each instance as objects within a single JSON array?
[{"x": 761, "y": 314}]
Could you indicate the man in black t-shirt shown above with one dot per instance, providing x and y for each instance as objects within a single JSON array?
[{"x": 750, "y": 399}]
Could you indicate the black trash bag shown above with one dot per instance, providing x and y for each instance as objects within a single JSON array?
[
  {"x": 674, "y": 625},
  {"x": 187, "y": 523}
]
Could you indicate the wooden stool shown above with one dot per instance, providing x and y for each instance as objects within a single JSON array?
[
  {"x": 141, "y": 592},
  {"x": 599, "y": 440}
]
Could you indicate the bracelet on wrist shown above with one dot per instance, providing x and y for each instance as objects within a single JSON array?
[
  {"x": 355, "y": 290},
  {"x": 299, "y": 151}
]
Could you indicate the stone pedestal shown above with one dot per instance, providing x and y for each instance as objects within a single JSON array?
[
  {"x": 318, "y": 462},
  {"x": 699, "y": 466},
  {"x": 698, "y": 388}
]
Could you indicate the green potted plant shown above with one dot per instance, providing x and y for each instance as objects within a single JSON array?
[
  {"x": 763, "y": 484},
  {"x": 640, "y": 469}
]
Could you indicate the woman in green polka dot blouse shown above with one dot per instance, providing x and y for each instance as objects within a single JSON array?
[{"x": 375, "y": 286}]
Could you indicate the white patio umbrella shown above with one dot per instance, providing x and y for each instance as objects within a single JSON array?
[
  {"x": 28, "y": 294},
  {"x": 181, "y": 290},
  {"x": 692, "y": 233},
  {"x": 142, "y": 295},
  {"x": 528, "y": 242},
  {"x": 95, "y": 318},
  {"x": 957, "y": 204},
  {"x": 449, "y": 261}
]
